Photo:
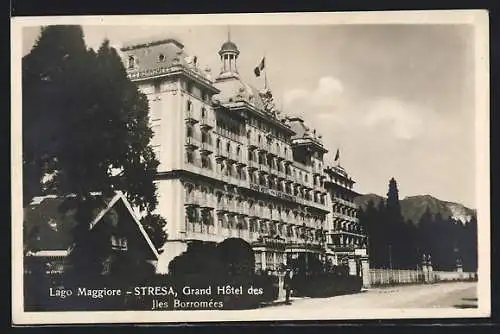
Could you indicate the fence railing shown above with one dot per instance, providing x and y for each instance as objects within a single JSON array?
[{"x": 380, "y": 277}]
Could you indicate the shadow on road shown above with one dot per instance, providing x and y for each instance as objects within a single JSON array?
[{"x": 467, "y": 303}]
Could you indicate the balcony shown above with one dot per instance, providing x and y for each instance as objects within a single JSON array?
[
  {"x": 342, "y": 248},
  {"x": 192, "y": 201},
  {"x": 347, "y": 231},
  {"x": 189, "y": 117},
  {"x": 221, "y": 154},
  {"x": 252, "y": 165},
  {"x": 192, "y": 143},
  {"x": 263, "y": 168},
  {"x": 206, "y": 148},
  {"x": 273, "y": 150},
  {"x": 301, "y": 244},
  {"x": 263, "y": 147},
  {"x": 345, "y": 217},
  {"x": 232, "y": 157},
  {"x": 253, "y": 212},
  {"x": 252, "y": 143},
  {"x": 207, "y": 123},
  {"x": 345, "y": 202},
  {"x": 281, "y": 175}
]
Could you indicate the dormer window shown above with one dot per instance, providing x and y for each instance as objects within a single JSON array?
[
  {"x": 161, "y": 57},
  {"x": 131, "y": 62}
]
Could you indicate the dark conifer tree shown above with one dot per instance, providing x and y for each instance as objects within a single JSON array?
[{"x": 86, "y": 125}]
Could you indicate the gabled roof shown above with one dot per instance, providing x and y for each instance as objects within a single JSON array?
[
  {"x": 54, "y": 228},
  {"x": 121, "y": 197}
]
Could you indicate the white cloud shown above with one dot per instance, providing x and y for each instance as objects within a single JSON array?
[
  {"x": 403, "y": 120},
  {"x": 326, "y": 94}
]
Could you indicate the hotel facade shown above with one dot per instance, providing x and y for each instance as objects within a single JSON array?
[{"x": 232, "y": 165}]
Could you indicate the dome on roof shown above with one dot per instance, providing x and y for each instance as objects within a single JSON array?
[
  {"x": 229, "y": 46},
  {"x": 233, "y": 89}
]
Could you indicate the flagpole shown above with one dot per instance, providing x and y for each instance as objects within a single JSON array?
[{"x": 265, "y": 71}]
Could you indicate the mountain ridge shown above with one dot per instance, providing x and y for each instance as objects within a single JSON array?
[{"x": 413, "y": 207}]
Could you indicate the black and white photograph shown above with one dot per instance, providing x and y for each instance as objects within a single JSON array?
[{"x": 250, "y": 167}]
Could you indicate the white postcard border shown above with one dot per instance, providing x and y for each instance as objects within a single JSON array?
[{"x": 478, "y": 18}]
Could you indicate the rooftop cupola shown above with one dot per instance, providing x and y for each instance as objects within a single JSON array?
[{"x": 228, "y": 55}]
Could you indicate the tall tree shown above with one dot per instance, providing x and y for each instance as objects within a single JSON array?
[
  {"x": 85, "y": 124},
  {"x": 55, "y": 57},
  {"x": 396, "y": 228}
]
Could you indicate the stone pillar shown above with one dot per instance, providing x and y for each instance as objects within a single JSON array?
[
  {"x": 352, "y": 266},
  {"x": 425, "y": 270},
  {"x": 365, "y": 272},
  {"x": 460, "y": 270},
  {"x": 431, "y": 274},
  {"x": 281, "y": 286}
]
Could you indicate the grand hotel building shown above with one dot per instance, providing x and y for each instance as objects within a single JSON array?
[{"x": 231, "y": 165}]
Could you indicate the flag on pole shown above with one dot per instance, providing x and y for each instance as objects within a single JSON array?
[
  {"x": 260, "y": 67},
  {"x": 337, "y": 155}
]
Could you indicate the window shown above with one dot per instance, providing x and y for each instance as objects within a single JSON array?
[
  {"x": 131, "y": 62},
  {"x": 189, "y": 131},
  {"x": 250, "y": 156},
  {"x": 218, "y": 143},
  {"x": 249, "y": 134},
  {"x": 205, "y": 162},
  {"x": 190, "y": 157},
  {"x": 189, "y": 105},
  {"x": 238, "y": 151},
  {"x": 161, "y": 57},
  {"x": 228, "y": 147},
  {"x": 203, "y": 112},
  {"x": 119, "y": 243}
]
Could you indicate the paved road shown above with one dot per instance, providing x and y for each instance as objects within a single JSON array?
[{"x": 443, "y": 295}]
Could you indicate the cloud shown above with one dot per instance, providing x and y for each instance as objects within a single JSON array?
[
  {"x": 402, "y": 119},
  {"x": 326, "y": 93}
]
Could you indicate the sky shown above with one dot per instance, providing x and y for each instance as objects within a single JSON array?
[{"x": 396, "y": 100}]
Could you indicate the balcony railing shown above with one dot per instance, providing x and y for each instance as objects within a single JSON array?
[
  {"x": 220, "y": 153},
  {"x": 206, "y": 147},
  {"x": 207, "y": 122},
  {"x": 345, "y": 202},
  {"x": 189, "y": 117},
  {"x": 192, "y": 142}
]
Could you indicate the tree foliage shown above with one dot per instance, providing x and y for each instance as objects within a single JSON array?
[
  {"x": 394, "y": 242},
  {"x": 85, "y": 125},
  {"x": 154, "y": 225}
]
